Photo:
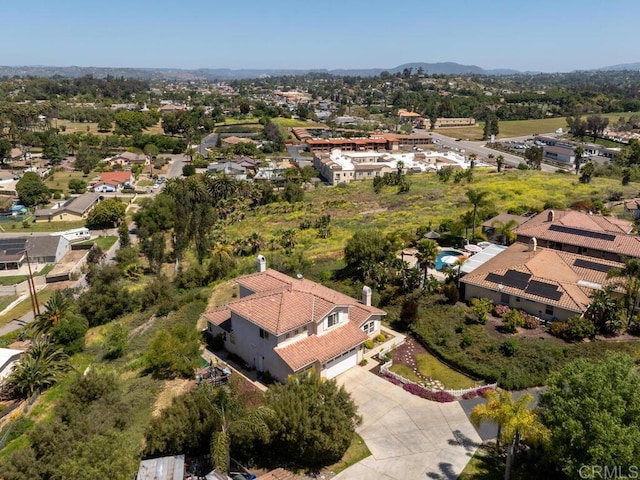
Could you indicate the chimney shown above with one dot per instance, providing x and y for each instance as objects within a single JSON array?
[
  {"x": 551, "y": 216},
  {"x": 533, "y": 244},
  {"x": 366, "y": 296},
  {"x": 262, "y": 263}
]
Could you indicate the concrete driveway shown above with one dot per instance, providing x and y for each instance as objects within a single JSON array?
[{"x": 409, "y": 437}]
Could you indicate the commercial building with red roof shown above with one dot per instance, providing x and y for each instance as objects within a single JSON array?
[{"x": 285, "y": 325}]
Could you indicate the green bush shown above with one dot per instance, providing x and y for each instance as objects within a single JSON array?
[
  {"x": 481, "y": 308},
  {"x": 512, "y": 321},
  {"x": 509, "y": 347},
  {"x": 579, "y": 328},
  {"x": 368, "y": 344}
]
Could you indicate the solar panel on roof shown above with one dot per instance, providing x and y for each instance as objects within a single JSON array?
[
  {"x": 516, "y": 279},
  {"x": 511, "y": 278},
  {"x": 583, "y": 233},
  {"x": 598, "y": 267},
  {"x": 11, "y": 246},
  {"x": 543, "y": 289}
]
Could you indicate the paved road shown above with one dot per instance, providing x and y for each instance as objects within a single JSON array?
[
  {"x": 409, "y": 437},
  {"x": 479, "y": 149},
  {"x": 209, "y": 141},
  {"x": 175, "y": 168}
]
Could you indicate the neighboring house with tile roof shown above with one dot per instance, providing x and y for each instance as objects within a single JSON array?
[
  {"x": 285, "y": 325},
  {"x": 547, "y": 283},
  {"x": 582, "y": 233},
  {"x": 113, "y": 181}
]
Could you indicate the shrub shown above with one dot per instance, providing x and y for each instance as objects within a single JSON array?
[
  {"x": 439, "y": 396},
  {"x": 451, "y": 293},
  {"x": 380, "y": 338},
  {"x": 559, "y": 329},
  {"x": 501, "y": 310},
  {"x": 511, "y": 321},
  {"x": 509, "y": 347},
  {"x": 368, "y": 344},
  {"x": 466, "y": 341},
  {"x": 481, "y": 308},
  {"x": 531, "y": 322},
  {"x": 579, "y": 328}
]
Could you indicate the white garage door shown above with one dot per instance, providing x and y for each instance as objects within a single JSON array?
[{"x": 341, "y": 364}]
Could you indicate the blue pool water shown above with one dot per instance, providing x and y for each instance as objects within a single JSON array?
[{"x": 443, "y": 253}]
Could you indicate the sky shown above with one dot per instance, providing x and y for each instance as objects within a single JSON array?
[{"x": 540, "y": 35}]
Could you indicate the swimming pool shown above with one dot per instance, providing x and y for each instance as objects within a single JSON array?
[{"x": 443, "y": 253}]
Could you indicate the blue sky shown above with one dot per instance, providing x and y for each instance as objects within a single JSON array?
[{"x": 539, "y": 35}]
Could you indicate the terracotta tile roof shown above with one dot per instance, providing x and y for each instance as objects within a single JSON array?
[
  {"x": 220, "y": 316},
  {"x": 277, "y": 474},
  {"x": 281, "y": 303},
  {"x": 574, "y": 276},
  {"x": 115, "y": 178},
  {"x": 504, "y": 218},
  {"x": 576, "y": 228},
  {"x": 321, "y": 348}
]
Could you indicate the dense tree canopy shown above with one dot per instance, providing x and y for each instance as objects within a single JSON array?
[
  {"x": 32, "y": 190},
  {"x": 315, "y": 421},
  {"x": 593, "y": 412},
  {"x": 109, "y": 213}
]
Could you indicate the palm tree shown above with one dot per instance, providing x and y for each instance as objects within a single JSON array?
[
  {"x": 234, "y": 417},
  {"x": 579, "y": 153},
  {"x": 478, "y": 199},
  {"x": 630, "y": 276},
  {"x": 499, "y": 162},
  {"x": 39, "y": 368},
  {"x": 426, "y": 255},
  {"x": 506, "y": 230},
  {"x": 605, "y": 311},
  {"x": 515, "y": 420},
  {"x": 55, "y": 309}
]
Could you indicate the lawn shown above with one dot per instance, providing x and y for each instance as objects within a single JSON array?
[
  {"x": 486, "y": 464},
  {"x": 292, "y": 123},
  {"x": 6, "y": 301},
  {"x": 430, "y": 366},
  {"x": 59, "y": 180},
  {"x": 17, "y": 227},
  {"x": 105, "y": 243},
  {"x": 89, "y": 127},
  {"x": 357, "y": 451},
  {"x": 13, "y": 279},
  {"x": 24, "y": 307}
]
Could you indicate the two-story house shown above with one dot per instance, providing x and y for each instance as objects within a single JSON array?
[{"x": 285, "y": 325}]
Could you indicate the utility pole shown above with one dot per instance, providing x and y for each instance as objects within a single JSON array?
[{"x": 32, "y": 288}]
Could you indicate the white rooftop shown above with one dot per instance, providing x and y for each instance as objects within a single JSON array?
[
  {"x": 481, "y": 257},
  {"x": 424, "y": 161}
]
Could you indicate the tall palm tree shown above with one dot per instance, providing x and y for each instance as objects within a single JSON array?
[
  {"x": 235, "y": 417},
  {"x": 55, "y": 309},
  {"x": 506, "y": 230},
  {"x": 515, "y": 419},
  {"x": 478, "y": 199},
  {"x": 39, "y": 368},
  {"x": 579, "y": 153},
  {"x": 426, "y": 255},
  {"x": 630, "y": 280}
]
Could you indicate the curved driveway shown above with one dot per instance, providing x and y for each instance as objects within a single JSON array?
[{"x": 409, "y": 437}]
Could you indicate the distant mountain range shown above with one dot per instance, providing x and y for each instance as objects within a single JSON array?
[{"x": 445, "y": 68}]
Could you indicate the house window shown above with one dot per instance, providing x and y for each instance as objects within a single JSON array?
[
  {"x": 504, "y": 298},
  {"x": 369, "y": 327},
  {"x": 548, "y": 310},
  {"x": 332, "y": 319},
  {"x": 264, "y": 334}
]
